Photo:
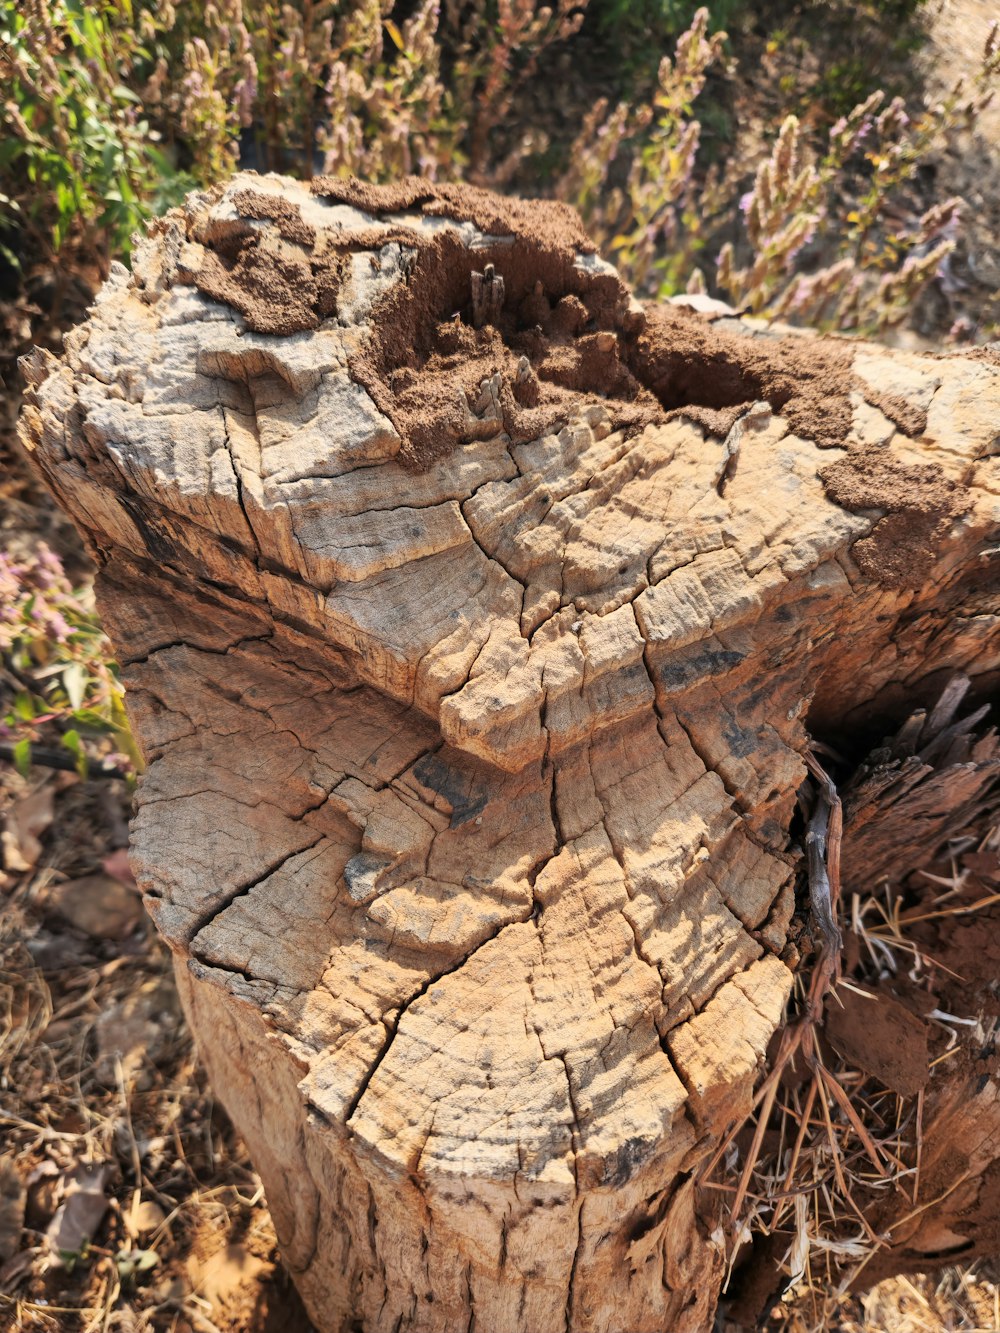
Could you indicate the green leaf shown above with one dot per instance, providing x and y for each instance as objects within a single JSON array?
[
  {"x": 24, "y": 707},
  {"x": 125, "y": 737},
  {"x": 159, "y": 160},
  {"x": 22, "y": 757},
  {"x": 92, "y": 720},
  {"x": 71, "y": 740}
]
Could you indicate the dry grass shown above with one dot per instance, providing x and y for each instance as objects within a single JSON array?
[
  {"x": 97, "y": 1073},
  {"x": 958, "y": 1300},
  {"x": 827, "y": 1139}
]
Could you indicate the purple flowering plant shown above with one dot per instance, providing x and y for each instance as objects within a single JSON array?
[
  {"x": 841, "y": 203},
  {"x": 57, "y": 678}
]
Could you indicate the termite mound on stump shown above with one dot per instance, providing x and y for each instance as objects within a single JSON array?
[{"x": 475, "y": 699}]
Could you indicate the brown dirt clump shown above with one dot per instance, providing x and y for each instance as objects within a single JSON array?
[
  {"x": 918, "y": 500},
  {"x": 688, "y": 362},
  {"x": 274, "y": 208},
  {"x": 493, "y": 214},
  {"x": 278, "y": 277},
  {"x": 272, "y": 287},
  {"x": 711, "y": 374},
  {"x": 429, "y": 404},
  {"x": 554, "y": 343},
  {"x": 555, "y": 346},
  {"x": 551, "y": 346}
]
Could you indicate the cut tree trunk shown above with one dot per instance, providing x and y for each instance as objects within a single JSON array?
[{"x": 477, "y": 623}]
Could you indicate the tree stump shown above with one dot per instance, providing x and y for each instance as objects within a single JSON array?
[{"x": 476, "y": 623}]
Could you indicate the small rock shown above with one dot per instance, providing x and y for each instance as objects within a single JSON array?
[
  {"x": 222, "y": 1276},
  {"x": 146, "y": 1217},
  {"x": 116, "y": 864},
  {"x": 100, "y": 905},
  {"x": 82, "y": 1210},
  {"x": 26, "y": 821},
  {"x": 137, "y": 1029}
]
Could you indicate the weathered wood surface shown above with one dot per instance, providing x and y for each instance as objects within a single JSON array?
[{"x": 475, "y": 699}]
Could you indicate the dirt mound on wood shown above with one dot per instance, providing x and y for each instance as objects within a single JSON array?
[
  {"x": 513, "y": 327},
  {"x": 711, "y": 374},
  {"x": 554, "y": 337},
  {"x": 551, "y": 334},
  {"x": 492, "y": 214}
]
